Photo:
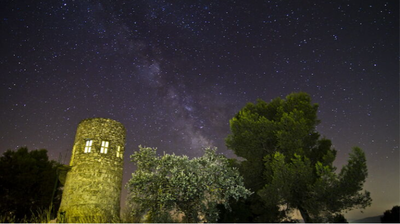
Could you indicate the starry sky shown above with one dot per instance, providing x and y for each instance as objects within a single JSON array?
[{"x": 175, "y": 72}]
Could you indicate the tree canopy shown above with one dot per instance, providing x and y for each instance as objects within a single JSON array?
[
  {"x": 27, "y": 181},
  {"x": 288, "y": 164},
  {"x": 168, "y": 184},
  {"x": 314, "y": 189},
  {"x": 391, "y": 216}
]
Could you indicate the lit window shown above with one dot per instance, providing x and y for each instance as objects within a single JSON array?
[
  {"x": 104, "y": 147},
  {"x": 119, "y": 154},
  {"x": 88, "y": 146}
]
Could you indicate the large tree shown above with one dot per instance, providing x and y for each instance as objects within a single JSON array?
[
  {"x": 162, "y": 185},
  {"x": 27, "y": 184},
  {"x": 281, "y": 135}
]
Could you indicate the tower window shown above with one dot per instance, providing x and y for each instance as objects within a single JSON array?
[
  {"x": 104, "y": 147},
  {"x": 88, "y": 146},
  {"x": 119, "y": 154}
]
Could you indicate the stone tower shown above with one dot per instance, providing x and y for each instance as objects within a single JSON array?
[{"x": 93, "y": 183}]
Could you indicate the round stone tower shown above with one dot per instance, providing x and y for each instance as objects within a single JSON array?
[{"x": 93, "y": 183}]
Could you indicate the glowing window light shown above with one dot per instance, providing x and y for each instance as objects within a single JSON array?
[
  {"x": 88, "y": 146},
  {"x": 119, "y": 154},
  {"x": 104, "y": 147}
]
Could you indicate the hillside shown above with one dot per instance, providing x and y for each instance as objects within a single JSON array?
[{"x": 373, "y": 219}]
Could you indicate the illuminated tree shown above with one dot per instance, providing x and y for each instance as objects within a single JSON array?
[
  {"x": 281, "y": 148},
  {"x": 316, "y": 190},
  {"x": 168, "y": 184}
]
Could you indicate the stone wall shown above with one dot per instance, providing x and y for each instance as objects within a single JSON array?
[{"x": 93, "y": 184}]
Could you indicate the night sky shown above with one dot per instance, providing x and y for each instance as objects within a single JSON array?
[{"x": 175, "y": 72}]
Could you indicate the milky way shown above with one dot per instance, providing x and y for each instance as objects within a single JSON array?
[{"x": 175, "y": 72}]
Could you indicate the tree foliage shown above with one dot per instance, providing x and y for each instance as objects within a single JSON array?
[
  {"x": 27, "y": 180},
  {"x": 168, "y": 184},
  {"x": 314, "y": 189},
  {"x": 391, "y": 216},
  {"x": 289, "y": 165}
]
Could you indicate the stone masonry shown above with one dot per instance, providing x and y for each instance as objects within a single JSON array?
[{"x": 93, "y": 184}]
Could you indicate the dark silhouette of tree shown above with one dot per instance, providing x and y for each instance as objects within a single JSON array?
[
  {"x": 289, "y": 166},
  {"x": 338, "y": 218},
  {"x": 391, "y": 216},
  {"x": 27, "y": 183},
  {"x": 239, "y": 212}
]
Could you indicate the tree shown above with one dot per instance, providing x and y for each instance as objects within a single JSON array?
[
  {"x": 283, "y": 131},
  {"x": 163, "y": 185},
  {"x": 27, "y": 181},
  {"x": 316, "y": 191},
  {"x": 391, "y": 216},
  {"x": 338, "y": 218}
]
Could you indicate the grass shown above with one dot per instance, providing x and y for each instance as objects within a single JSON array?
[
  {"x": 45, "y": 217},
  {"x": 88, "y": 216},
  {"x": 40, "y": 216}
]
